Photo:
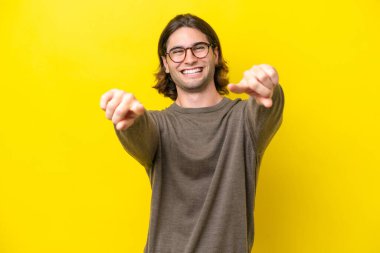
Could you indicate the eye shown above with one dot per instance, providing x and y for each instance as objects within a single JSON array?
[
  {"x": 177, "y": 51},
  {"x": 199, "y": 47}
]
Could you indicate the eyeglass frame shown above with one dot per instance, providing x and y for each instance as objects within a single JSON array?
[{"x": 191, "y": 49}]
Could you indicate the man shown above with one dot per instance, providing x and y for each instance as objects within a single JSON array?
[{"x": 202, "y": 154}]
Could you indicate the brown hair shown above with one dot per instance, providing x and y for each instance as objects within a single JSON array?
[{"x": 165, "y": 84}]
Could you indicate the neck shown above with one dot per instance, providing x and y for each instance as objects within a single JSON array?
[{"x": 206, "y": 98}]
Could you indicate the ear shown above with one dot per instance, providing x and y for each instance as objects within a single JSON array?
[
  {"x": 165, "y": 64},
  {"x": 216, "y": 53}
]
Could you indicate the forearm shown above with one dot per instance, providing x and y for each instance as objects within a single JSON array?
[
  {"x": 140, "y": 140},
  {"x": 264, "y": 122}
]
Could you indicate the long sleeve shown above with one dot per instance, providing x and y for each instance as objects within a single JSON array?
[
  {"x": 141, "y": 139},
  {"x": 264, "y": 122}
]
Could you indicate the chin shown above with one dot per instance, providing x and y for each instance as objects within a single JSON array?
[{"x": 193, "y": 85}]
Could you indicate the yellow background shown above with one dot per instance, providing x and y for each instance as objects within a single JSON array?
[{"x": 66, "y": 184}]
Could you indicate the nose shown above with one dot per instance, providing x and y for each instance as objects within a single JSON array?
[{"x": 189, "y": 57}]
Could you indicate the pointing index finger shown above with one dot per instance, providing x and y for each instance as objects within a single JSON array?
[{"x": 239, "y": 87}]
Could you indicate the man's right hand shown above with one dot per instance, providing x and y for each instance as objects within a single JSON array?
[{"x": 121, "y": 107}]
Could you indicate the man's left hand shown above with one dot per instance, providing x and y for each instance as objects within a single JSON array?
[{"x": 258, "y": 82}]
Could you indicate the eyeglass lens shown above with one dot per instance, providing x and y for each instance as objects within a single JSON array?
[{"x": 199, "y": 50}]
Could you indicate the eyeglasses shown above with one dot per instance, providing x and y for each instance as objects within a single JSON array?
[{"x": 199, "y": 50}]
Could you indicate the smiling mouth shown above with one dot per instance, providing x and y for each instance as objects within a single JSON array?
[{"x": 191, "y": 71}]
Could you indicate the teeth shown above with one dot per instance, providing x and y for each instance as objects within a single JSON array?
[{"x": 192, "y": 71}]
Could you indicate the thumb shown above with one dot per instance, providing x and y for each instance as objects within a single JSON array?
[
  {"x": 137, "y": 108},
  {"x": 266, "y": 102}
]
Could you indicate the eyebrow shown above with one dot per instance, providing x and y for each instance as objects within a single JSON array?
[{"x": 196, "y": 43}]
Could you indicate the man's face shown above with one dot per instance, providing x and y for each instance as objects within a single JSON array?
[{"x": 192, "y": 74}]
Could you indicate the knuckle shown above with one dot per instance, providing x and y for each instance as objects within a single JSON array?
[
  {"x": 110, "y": 93},
  {"x": 266, "y": 78},
  {"x": 243, "y": 83},
  {"x": 119, "y": 111},
  {"x": 115, "y": 118},
  {"x": 111, "y": 106},
  {"x": 140, "y": 110},
  {"x": 253, "y": 83},
  {"x": 271, "y": 72},
  {"x": 108, "y": 115},
  {"x": 261, "y": 76},
  {"x": 105, "y": 95},
  {"x": 119, "y": 93},
  {"x": 128, "y": 96}
]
